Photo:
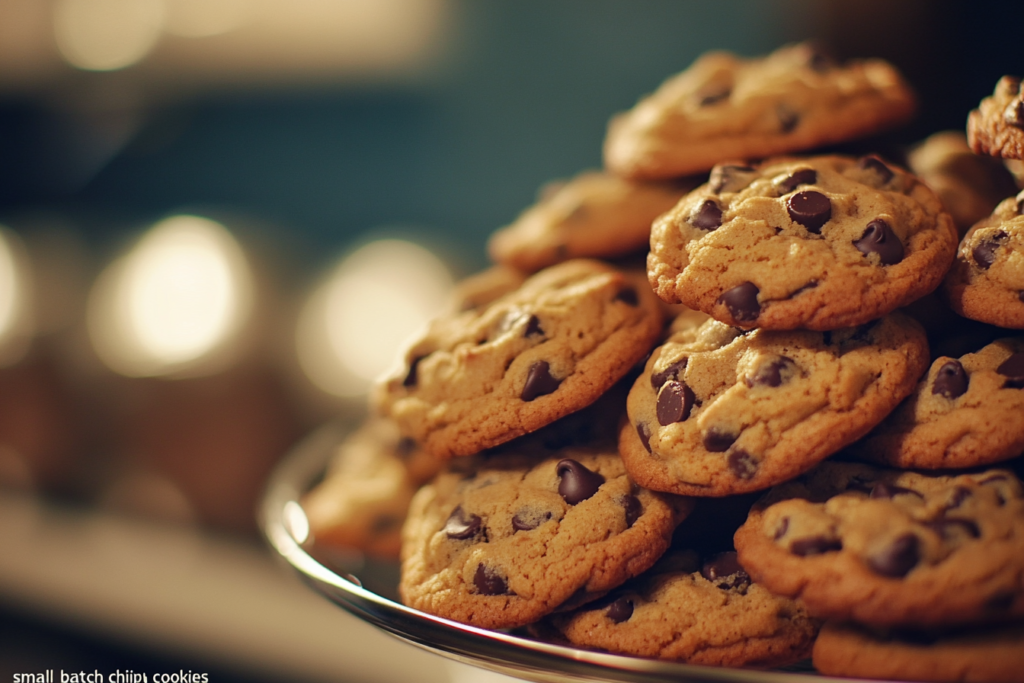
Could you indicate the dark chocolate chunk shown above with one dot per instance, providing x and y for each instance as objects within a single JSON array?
[
  {"x": 1013, "y": 369},
  {"x": 742, "y": 464},
  {"x": 888, "y": 491},
  {"x": 713, "y": 93},
  {"x": 525, "y": 520},
  {"x": 633, "y": 508},
  {"x": 405, "y": 448},
  {"x": 1020, "y": 295},
  {"x": 670, "y": 372},
  {"x": 539, "y": 381},
  {"x": 730, "y": 178},
  {"x": 897, "y": 558},
  {"x": 717, "y": 440},
  {"x": 742, "y": 302},
  {"x": 645, "y": 435},
  {"x": 951, "y": 380},
  {"x": 772, "y": 373},
  {"x": 533, "y": 327},
  {"x": 803, "y": 176},
  {"x": 810, "y": 209},
  {"x": 675, "y": 401},
  {"x": 815, "y": 545},
  {"x": 725, "y": 571},
  {"x": 880, "y": 168},
  {"x": 960, "y": 494},
  {"x": 577, "y": 483},
  {"x": 461, "y": 525},
  {"x": 410, "y": 377},
  {"x": 707, "y": 216},
  {"x": 879, "y": 239},
  {"x": 620, "y": 610},
  {"x": 1014, "y": 113},
  {"x": 782, "y": 529},
  {"x": 984, "y": 254},
  {"x": 788, "y": 119},
  {"x": 628, "y": 295},
  {"x": 488, "y": 582}
]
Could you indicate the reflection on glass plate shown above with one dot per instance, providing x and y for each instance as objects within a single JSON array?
[{"x": 366, "y": 588}]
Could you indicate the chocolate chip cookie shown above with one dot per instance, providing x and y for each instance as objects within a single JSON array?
[
  {"x": 986, "y": 282},
  {"x": 595, "y": 215},
  {"x": 482, "y": 377},
  {"x": 717, "y": 411},
  {"x": 968, "y": 411},
  {"x": 362, "y": 502},
  {"x": 727, "y": 107},
  {"x": 890, "y": 548},
  {"x": 502, "y": 541},
  {"x": 996, "y": 127},
  {"x": 700, "y": 612},
  {"x": 993, "y": 653},
  {"x": 818, "y": 243}
]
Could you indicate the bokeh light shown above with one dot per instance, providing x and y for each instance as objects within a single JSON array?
[
  {"x": 16, "y": 323},
  {"x": 105, "y": 35}
]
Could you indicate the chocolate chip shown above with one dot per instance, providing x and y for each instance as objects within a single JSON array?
[
  {"x": 951, "y": 380},
  {"x": 620, "y": 610},
  {"x": 670, "y": 372},
  {"x": 410, "y": 377},
  {"x": 1020, "y": 295},
  {"x": 742, "y": 464},
  {"x": 645, "y": 435},
  {"x": 984, "y": 254},
  {"x": 533, "y": 327},
  {"x": 1013, "y": 369},
  {"x": 707, "y": 216},
  {"x": 815, "y": 545},
  {"x": 772, "y": 373},
  {"x": 633, "y": 508},
  {"x": 783, "y": 527},
  {"x": 887, "y": 491},
  {"x": 810, "y": 209},
  {"x": 712, "y": 94},
  {"x": 879, "y": 239},
  {"x": 539, "y": 381},
  {"x": 628, "y": 296},
  {"x": 577, "y": 482},
  {"x": 527, "y": 520},
  {"x": 717, "y": 440},
  {"x": 960, "y": 494},
  {"x": 873, "y": 163},
  {"x": 725, "y": 571},
  {"x": 950, "y": 528},
  {"x": 675, "y": 401},
  {"x": 788, "y": 119},
  {"x": 804, "y": 176},
  {"x": 405, "y": 448},
  {"x": 897, "y": 558},
  {"x": 462, "y": 526},
  {"x": 1014, "y": 113},
  {"x": 742, "y": 302},
  {"x": 730, "y": 178},
  {"x": 488, "y": 582}
]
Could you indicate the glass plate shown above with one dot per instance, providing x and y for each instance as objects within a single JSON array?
[{"x": 369, "y": 597}]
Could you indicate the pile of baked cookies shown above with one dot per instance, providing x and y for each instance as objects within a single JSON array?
[{"x": 793, "y": 429}]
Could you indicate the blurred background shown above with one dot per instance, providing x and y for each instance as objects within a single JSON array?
[{"x": 220, "y": 218}]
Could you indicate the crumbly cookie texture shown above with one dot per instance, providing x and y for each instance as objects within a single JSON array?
[
  {"x": 553, "y": 346},
  {"x": 978, "y": 654},
  {"x": 594, "y": 215},
  {"x": 697, "y": 612},
  {"x": 718, "y": 412},
  {"x": 817, "y": 243},
  {"x": 969, "y": 186},
  {"x": 514, "y": 538},
  {"x": 890, "y": 548},
  {"x": 968, "y": 411},
  {"x": 986, "y": 282},
  {"x": 996, "y": 127},
  {"x": 362, "y": 501},
  {"x": 727, "y": 107}
]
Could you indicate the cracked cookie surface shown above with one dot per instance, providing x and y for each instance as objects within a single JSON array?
[{"x": 817, "y": 243}]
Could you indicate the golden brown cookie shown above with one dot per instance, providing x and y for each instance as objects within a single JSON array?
[
  {"x": 501, "y": 541},
  {"x": 818, "y": 243},
  {"x": 594, "y": 215},
  {"x": 718, "y": 412},
  {"x": 996, "y": 127},
  {"x": 479, "y": 378},
  {"x": 727, "y": 107}
]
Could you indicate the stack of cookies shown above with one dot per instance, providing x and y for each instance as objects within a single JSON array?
[{"x": 670, "y": 459}]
